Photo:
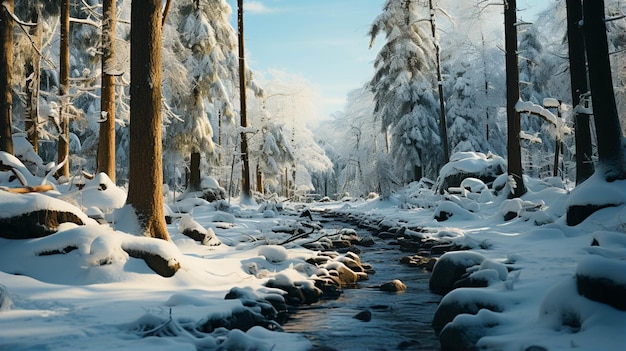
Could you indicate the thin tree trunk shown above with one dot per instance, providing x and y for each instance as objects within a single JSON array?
[
  {"x": 63, "y": 149},
  {"x": 6, "y": 80},
  {"x": 33, "y": 75},
  {"x": 512, "y": 97},
  {"x": 259, "y": 179},
  {"x": 145, "y": 179},
  {"x": 106, "y": 141},
  {"x": 578, "y": 76},
  {"x": 245, "y": 176},
  {"x": 194, "y": 171},
  {"x": 443, "y": 125},
  {"x": 608, "y": 129}
]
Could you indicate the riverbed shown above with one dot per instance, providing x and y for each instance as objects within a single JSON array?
[{"x": 399, "y": 321}]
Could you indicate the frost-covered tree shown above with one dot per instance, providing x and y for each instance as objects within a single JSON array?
[
  {"x": 6, "y": 80},
  {"x": 403, "y": 89}
]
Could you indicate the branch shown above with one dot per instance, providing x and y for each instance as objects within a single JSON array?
[
  {"x": 166, "y": 10},
  {"x": 27, "y": 24}
]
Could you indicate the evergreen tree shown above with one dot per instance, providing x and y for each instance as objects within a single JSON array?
[{"x": 403, "y": 93}]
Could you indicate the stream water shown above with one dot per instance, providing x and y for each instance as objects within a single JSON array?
[{"x": 399, "y": 321}]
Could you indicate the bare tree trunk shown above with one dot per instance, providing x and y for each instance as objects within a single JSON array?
[
  {"x": 608, "y": 129},
  {"x": 145, "y": 180},
  {"x": 259, "y": 179},
  {"x": 6, "y": 80},
  {"x": 443, "y": 125},
  {"x": 63, "y": 144},
  {"x": 33, "y": 74},
  {"x": 194, "y": 171},
  {"x": 512, "y": 97},
  {"x": 245, "y": 176},
  {"x": 106, "y": 141},
  {"x": 578, "y": 77}
]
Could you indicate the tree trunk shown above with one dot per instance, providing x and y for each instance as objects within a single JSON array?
[
  {"x": 194, "y": 171},
  {"x": 608, "y": 129},
  {"x": 245, "y": 176},
  {"x": 33, "y": 74},
  {"x": 578, "y": 77},
  {"x": 6, "y": 81},
  {"x": 63, "y": 149},
  {"x": 259, "y": 179},
  {"x": 443, "y": 125},
  {"x": 512, "y": 97},
  {"x": 106, "y": 141},
  {"x": 145, "y": 179}
]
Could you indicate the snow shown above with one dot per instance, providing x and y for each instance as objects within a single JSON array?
[{"x": 95, "y": 295}]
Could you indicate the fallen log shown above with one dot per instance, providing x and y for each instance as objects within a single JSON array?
[{"x": 29, "y": 189}]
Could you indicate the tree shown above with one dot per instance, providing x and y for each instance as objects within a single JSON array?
[
  {"x": 63, "y": 145},
  {"x": 513, "y": 96},
  {"x": 245, "y": 171},
  {"x": 6, "y": 80},
  {"x": 608, "y": 130},
  {"x": 403, "y": 93},
  {"x": 145, "y": 192},
  {"x": 578, "y": 80},
  {"x": 106, "y": 140}
]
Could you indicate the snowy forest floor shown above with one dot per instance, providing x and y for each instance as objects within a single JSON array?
[{"x": 96, "y": 296}]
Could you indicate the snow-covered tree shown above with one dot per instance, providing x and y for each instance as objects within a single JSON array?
[{"x": 403, "y": 89}]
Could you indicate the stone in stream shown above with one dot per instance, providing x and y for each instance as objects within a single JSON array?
[
  {"x": 364, "y": 316},
  {"x": 393, "y": 286}
]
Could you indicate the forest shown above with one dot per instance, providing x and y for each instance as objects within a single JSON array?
[{"x": 470, "y": 111}]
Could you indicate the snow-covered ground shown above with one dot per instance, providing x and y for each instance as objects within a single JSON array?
[{"x": 94, "y": 296}]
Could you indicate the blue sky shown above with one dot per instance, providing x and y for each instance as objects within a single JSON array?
[{"x": 323, "y": 41}]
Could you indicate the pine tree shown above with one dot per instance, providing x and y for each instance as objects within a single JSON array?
[{"x": 402, "y": 87}]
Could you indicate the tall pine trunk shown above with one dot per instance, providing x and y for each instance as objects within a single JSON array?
[
  {"x": 512, "y": 97},
  {"x": 608, "y": 129},
  {"x": 145, "y": 178},
  {"x": 106, "y": 141},
  {"x": 578, "y": 77},
  {"x": 6, "y": 81},
  {"x": 63, "y": 145}
]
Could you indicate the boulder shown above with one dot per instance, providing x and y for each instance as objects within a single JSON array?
[
  {"x": 602, "y": 279},
  {"x": 450, "y": 268},
  {"x": 464, "y": 301},
  {"x": 35, "y": 224},
  {"x": 393, "y": 286}
]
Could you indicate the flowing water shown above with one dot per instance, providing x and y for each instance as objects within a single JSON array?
[{"x": 399, "y": 321}]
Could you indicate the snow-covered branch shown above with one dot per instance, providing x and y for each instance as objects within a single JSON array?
[
  {"x": 536, "y": 110},
  {"x": 86, "y": 21},
  {"x": 23, "y": 24}
]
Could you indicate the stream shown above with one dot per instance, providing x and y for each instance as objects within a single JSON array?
[{"x": 399, "y": 321}]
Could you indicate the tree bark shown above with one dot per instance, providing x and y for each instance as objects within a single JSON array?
[
  {"x": 63, "y": 146},
  {"x": 245, "y": 176},
  {"x": 608, "y": 129},
  {"x": 145, "y": 180},
  {"x": 106, "y": 141},
  {"x": 6, "y": 80},
  {"x": 194, "y": 171},
  {"x": 443, "y": 125},
  {"x": 512, "y": 97},
  {"x": 578, "y": 77},
  {"x": 33, "y": 74}
]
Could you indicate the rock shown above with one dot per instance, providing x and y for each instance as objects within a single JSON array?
[
  {"x": 576, "y": 214},
  {"x": 450, "y": 268},
  {"x": 364, "y": 316},
  {"x": 243, "y": 320},
  {"x": 367, "y": 242},
  {"x": 269, "y": 309},
  {"x": 5, "y": 299},
  {"x": 161, "y": 266},
  {"x": 35, "y": 224},
  {"x": 602, "y": 279},
  {"x": 457, "y": 302},
  {"x": 346, "y": 275},
  {"x": 393, "y": 286}
]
